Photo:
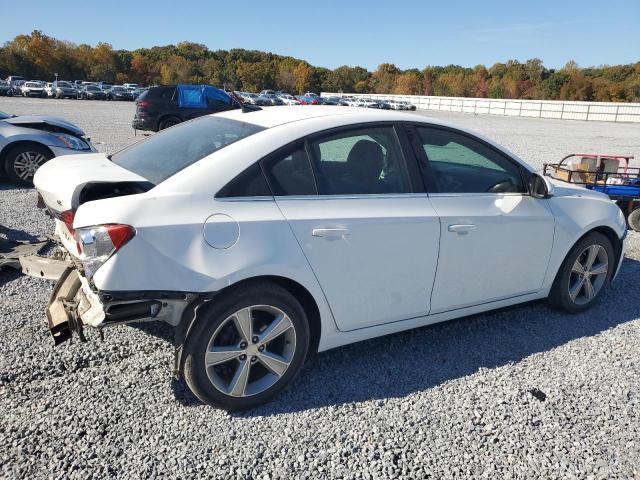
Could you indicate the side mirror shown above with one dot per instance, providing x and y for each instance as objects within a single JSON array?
[{"x": 538, "y": 186}]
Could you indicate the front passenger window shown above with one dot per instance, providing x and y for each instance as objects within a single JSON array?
[{"x": 461, "y": 164}]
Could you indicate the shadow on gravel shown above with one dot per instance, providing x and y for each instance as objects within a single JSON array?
[
  {"x": 417, "y": 360},
  {"x": 13, "y": 234},
  {"x": 11, "y": 186},
  {"x": 164, "y": 332}
]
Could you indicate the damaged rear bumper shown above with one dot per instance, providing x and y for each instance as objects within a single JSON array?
[{"x": 74, "y": 305}]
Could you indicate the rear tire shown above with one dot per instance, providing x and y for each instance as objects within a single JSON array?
[
  {"x": 271, "y": 359},
  {"x": 634, "y": 219},
  {"x": 22, "y": 161},
  {"x": 584, "y": 274},
  {"x": 167, "y": 122}
]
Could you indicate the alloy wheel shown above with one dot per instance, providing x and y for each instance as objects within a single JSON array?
[
  {"x": 588, "y": 274},
  {"x": 26, "y": 163},
  {"x": 250, "y": 350}
]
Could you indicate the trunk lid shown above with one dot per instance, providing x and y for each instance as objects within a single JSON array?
[
  {"x": 38, "y": 121},
  {"x": 66, "y": 182}
]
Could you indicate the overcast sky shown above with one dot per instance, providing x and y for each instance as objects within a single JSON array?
[{"x": 333, "y": 33}]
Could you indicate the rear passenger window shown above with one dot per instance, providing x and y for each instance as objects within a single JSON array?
[
  {"x": 291, "y": 174},
  {"x": 362, "y": 161},
  {"x": 250, "y": 183}
]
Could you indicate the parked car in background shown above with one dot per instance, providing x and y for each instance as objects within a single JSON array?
[
  {"x": 12, "y": 79},
  {"x": 105, "y": 86},
  {"x": 33, "y": 89},
  {"x": 396, "y": 105},
  {"x": 130, "y": 86},
  {"x": 253, "y": 99},
  {"x": 28, "y": 141},
  {"x": 330, "y": 100},
  {"x": 251, "y": 234},
  {"x": 64, "y": 89},
  {"x": 138, "y": 91},
  {"x": 6, "y": 90},
  {"x": 409, "y": 106},
  {"x": 368, "y": 103},
  {"x": 272, "y": 98},
  {"x": 289, "y": 99},
  {"x": 118, "y": 92},
  {"x": 306, "y": 100},
  {"x": 92, "y": 92},
  {"x": 48, "y": 89},
  {"x": 162, "y": 107}
]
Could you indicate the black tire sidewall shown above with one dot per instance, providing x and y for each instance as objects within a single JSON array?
[
  {"x": 168, "y": 122},
  {"x": 11, "y": 156},
  {"x": 207, "y": 321},
  {"x": 633, "y": 220},
  {"x": 560, "y": 293}
]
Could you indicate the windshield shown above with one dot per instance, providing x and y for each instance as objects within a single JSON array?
[
  {"x": 166, "y": 153},
  {"x": 91, "y": 87},
  {"x": 32, "y": 84},
  {"x": 64, "y": 84},
  {"x": 117, "y": 89}
]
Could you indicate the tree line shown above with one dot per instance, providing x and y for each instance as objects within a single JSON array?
[{"x": 39, "y": 56}]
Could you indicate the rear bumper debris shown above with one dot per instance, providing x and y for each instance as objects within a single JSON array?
[
  {"x": 25, "y": 256},
  {"x": 61, "y": 311},
  {"x": 74, "y": 304}
]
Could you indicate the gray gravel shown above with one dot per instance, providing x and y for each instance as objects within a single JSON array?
[{"x": 520, "y": 393}]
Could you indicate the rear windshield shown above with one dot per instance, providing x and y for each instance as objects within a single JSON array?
[{"x": 169, "y": 151}]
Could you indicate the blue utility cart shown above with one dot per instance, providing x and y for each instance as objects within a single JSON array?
[{"x": 609, "y": 174}]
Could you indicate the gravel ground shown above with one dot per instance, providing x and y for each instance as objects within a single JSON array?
[{"x": 525, "y": 392}]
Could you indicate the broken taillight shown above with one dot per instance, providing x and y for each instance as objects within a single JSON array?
[
  {"x": 67, "y": 218},
  {"x": 97, "y": 244}
]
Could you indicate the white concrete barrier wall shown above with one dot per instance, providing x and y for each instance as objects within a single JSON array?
[{"x": 592, "y": 111}]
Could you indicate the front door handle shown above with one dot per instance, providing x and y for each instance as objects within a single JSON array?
[
  {"x": 330, "y": 232},
  {"x": 462, "y": 228}
]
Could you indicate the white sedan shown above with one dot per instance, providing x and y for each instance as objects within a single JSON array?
[
  {"x": 268, "y": 235},
  {"x": 289, "y": 99}
]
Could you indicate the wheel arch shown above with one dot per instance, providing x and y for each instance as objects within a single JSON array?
[
  {"x": 608, "y": 232},
  {"x": 163, "y": 117},
  {"x": 616, "y": 241},
  {"x": 301, "y": 293}
]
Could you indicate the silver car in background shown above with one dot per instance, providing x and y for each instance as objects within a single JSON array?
[
  {"x": 33, "y": 89},
  {"x": 28, "y": 141}
]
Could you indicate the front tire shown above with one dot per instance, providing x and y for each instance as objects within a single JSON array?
[
  {"x": 634, "y": 219},
  {"x": 584, "y": 274},
  {"x": 167, "y": 122},
  {"x": 247, "y": 347},
  {"x": 22, "y": 162}
]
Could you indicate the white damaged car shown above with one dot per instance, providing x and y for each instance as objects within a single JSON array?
[{"x": 264, "y": 237}]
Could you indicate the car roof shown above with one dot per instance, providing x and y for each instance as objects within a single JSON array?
[
  {"x": 272, "y": 117},
  {"x": 282, "y": 126}
]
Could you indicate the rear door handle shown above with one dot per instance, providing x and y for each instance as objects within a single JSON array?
[
  {"x": 462, "y": 228},
  {"x": 330, "y": 232}
]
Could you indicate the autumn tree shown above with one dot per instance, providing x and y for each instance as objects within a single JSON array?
[
  {"x": 175, "y": 70},
  {"x": 39, "y": 56},
  {"x": 408, "y": 83},
  {"x": 302, "y": 74},
  {"x": 383, "y": 79}
]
